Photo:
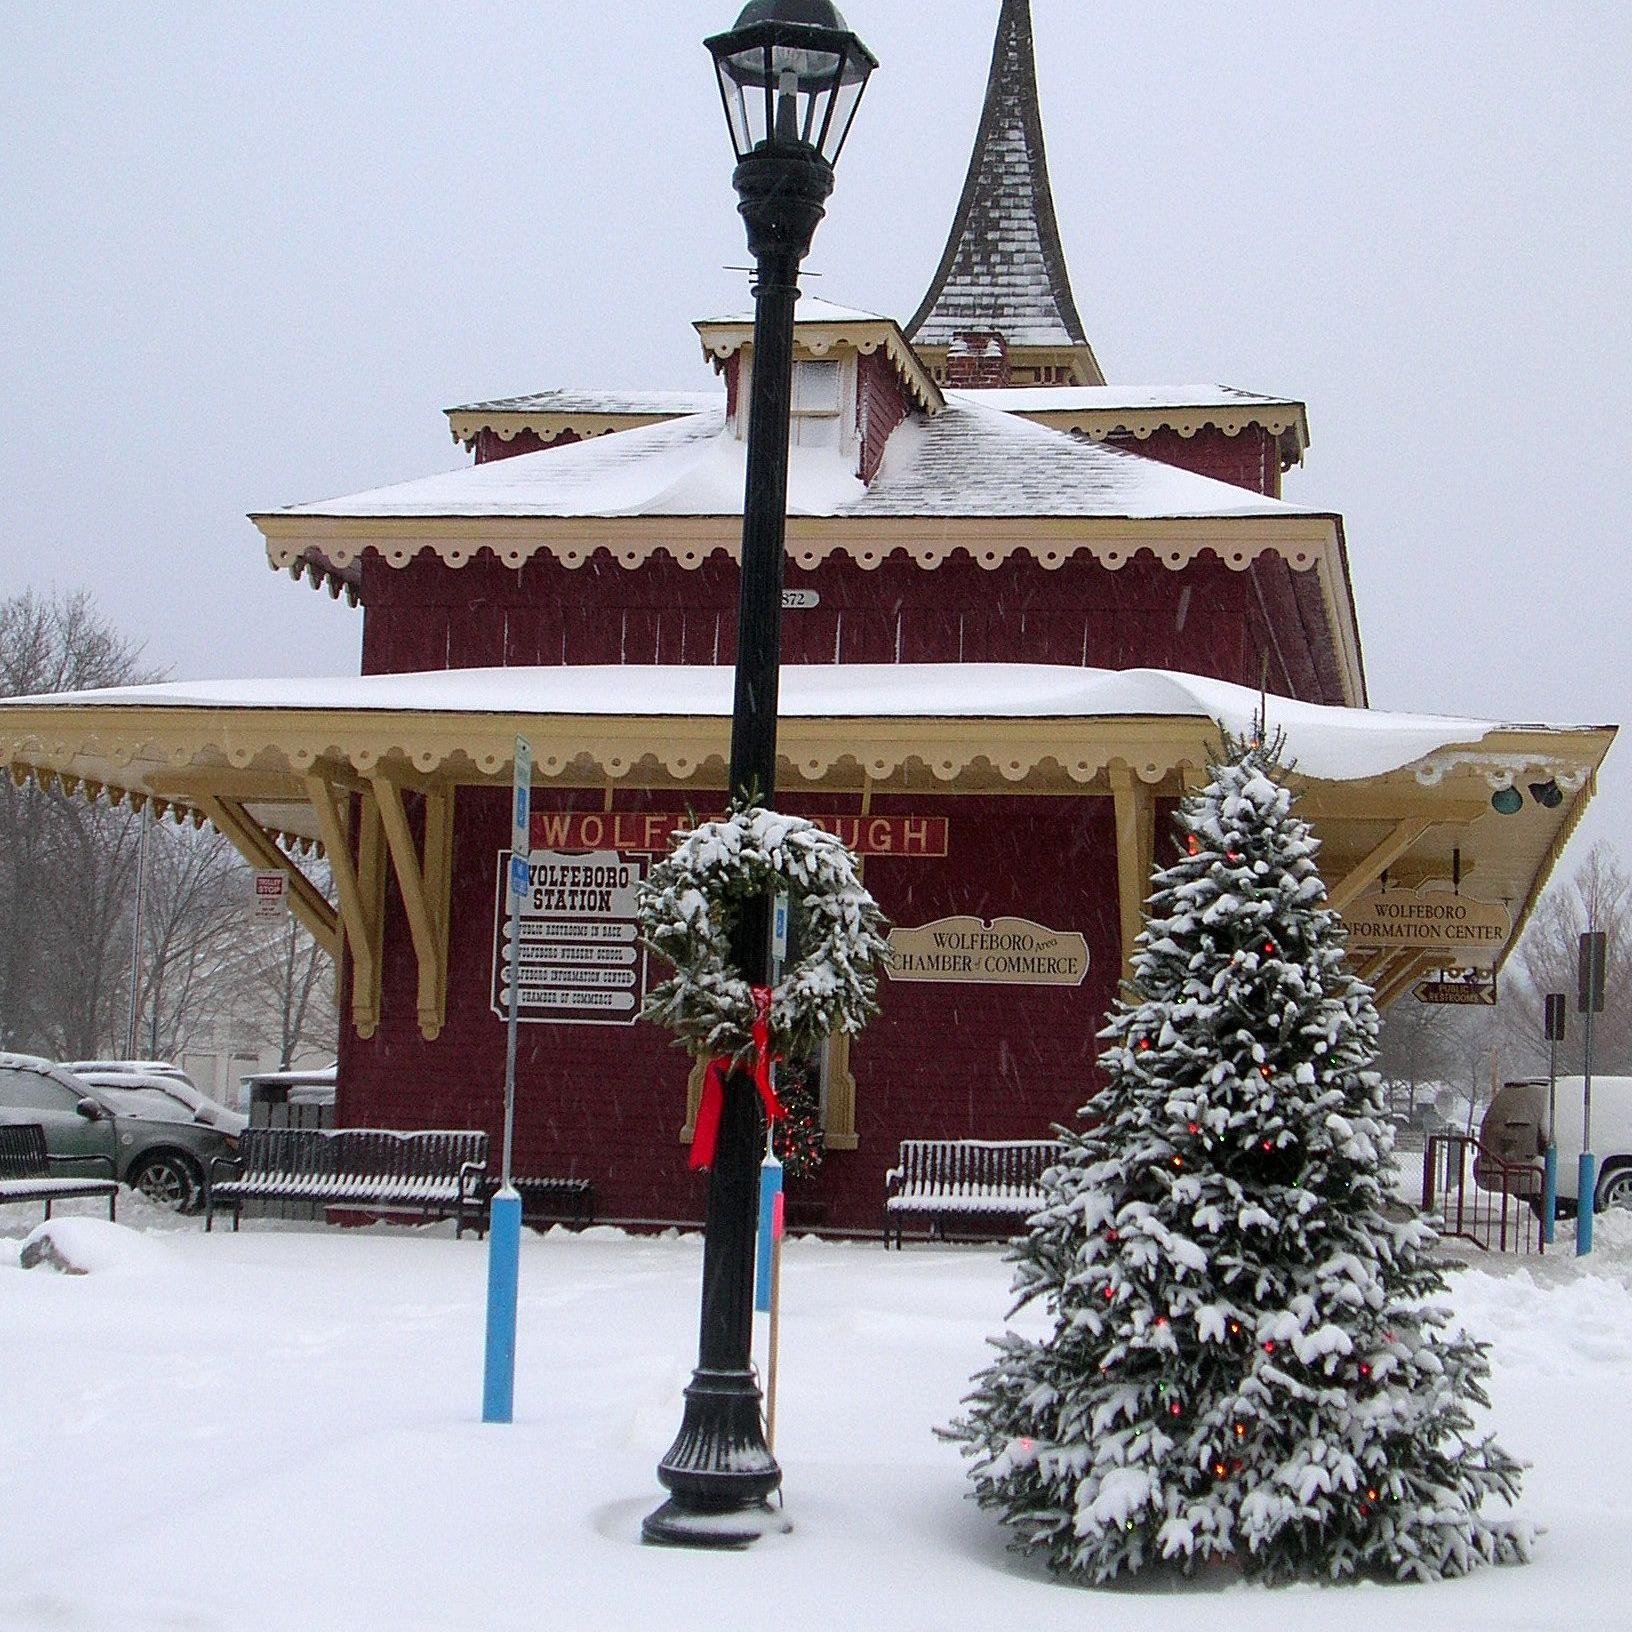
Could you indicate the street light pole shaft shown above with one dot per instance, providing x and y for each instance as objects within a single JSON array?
[{"x": 720, "y": 1470}]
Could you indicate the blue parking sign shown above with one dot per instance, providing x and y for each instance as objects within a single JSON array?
[{"x": 521, "y": 879}]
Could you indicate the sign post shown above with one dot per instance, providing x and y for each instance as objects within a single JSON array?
[
  {"x": 1589, "y": 1001},
  {"x": 768, "y": 1262},
  {"x": 1556, "y": 1006},
  {"x": 504, "y": 1221}
]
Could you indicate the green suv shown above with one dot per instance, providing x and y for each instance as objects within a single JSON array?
[{"x": 156, "y": 1146}]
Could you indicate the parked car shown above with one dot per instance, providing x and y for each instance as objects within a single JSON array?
[
  {"x": 160, "y": 1074},
  {"x": 1515, "y": 1130},
  {"x": 156, "y": 1144}
]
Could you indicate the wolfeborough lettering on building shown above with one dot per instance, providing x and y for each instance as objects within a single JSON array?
[
  {"x": 1004, "y": 952},
  {"x": 652, "y": 832},
  {"x": 1428, "y": 921},
  {"x": 579, "y": 957}
]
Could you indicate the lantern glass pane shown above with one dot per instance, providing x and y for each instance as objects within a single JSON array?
[
  {"x": 846, "y": 100},
  {"x": 736, "y": 113}
]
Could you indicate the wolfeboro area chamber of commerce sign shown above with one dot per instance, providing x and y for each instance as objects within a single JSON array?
[
  {"x": 1005, "y": 952},
  {"x": 580, "y": 961},
  {"x": 1473, "y": 932}
]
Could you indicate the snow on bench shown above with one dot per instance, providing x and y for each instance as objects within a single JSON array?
[
  {"x": 437, "y": 1174},
  {"x": 965, "y": 1178},
  {"x": 25, "y": 1171}
]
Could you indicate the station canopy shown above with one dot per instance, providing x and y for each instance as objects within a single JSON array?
[{"x": 1401, "y": 801}]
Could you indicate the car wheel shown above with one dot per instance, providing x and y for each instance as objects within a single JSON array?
[
  {"x": 1615, "y": 1188},
  {"x": 168, "y": 1181}
]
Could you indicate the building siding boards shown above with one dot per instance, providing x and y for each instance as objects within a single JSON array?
[
  {"x": 607, "y": 1103},
  {"x": 1205, "y": 619}
]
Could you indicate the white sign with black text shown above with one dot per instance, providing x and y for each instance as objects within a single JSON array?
[
  {"x": 271, "y": 896},
  {"x": 579, "y": 957}
]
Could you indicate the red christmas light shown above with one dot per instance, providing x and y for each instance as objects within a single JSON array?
[
  {"x": 1194, "y": 1127},
  {"x": 1193, "y": 845},
  {"x": 1365, "y": 1371},
  {"x": 1175, "y": 1409},
  {"x": 1269, "y": 1348}
]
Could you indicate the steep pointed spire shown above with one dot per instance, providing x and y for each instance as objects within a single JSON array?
[{"x": 1004, "y": 267}]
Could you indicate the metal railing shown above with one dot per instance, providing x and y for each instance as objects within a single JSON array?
[{"x": 1481, "y": 1198}]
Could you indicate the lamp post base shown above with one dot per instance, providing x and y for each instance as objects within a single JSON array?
[
  {"x": 719, "y": 1471},
  {"x": 675, "y": 1526}
]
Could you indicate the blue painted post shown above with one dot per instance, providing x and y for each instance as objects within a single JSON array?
[
  {"x": 1588, "y": 1183},
  {"x": 1549, "y": 1195},
  {"x": 770, "y": 1187},
  {"x": 503, "y": 1277}
]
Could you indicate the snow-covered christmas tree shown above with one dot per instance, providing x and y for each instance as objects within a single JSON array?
[{"x": 1242, "y": 1366}]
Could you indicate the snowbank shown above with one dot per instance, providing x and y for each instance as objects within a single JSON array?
[
  {"x": 90, "y": 1246},
  {"x": 284, "y": 1434}
]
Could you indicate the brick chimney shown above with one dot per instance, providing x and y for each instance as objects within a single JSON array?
[{"x": 977, "y": 360}]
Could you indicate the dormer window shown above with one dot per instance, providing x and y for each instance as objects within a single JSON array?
[{"x": 818, "y": 397}]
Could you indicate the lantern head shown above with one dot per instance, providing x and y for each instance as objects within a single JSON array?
[{"x": 792, "y": 75}]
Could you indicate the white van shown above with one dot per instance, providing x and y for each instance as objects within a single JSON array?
[{"x": 1515, "y": 1130}]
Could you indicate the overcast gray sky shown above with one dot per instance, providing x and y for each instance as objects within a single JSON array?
[{"x": 248, "y": 253}]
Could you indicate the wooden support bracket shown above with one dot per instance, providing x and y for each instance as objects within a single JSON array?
[
  {"x": 1382, "y": 857},
  {"x": 359, "y": 914},
  {"x": 260, "y": 850},
  {"x": 423, "y": 881},
  {"x": 1400, "y": 977},
  {"x": 1135, "y": 805}
]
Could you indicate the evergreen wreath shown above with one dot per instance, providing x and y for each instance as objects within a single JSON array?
[{"x": 689, "y": 905}]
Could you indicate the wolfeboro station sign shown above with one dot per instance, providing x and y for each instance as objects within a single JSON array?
[{"x": 1022, "y": 599}]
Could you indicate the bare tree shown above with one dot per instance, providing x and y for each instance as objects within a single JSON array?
[
  {"x": 291, "y": 979},
  {"x": 67, "y": 865},
  {"x": 68, "y": 886},
  {"x": 1598, "y": 895}
]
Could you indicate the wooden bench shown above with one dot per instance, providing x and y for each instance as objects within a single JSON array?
[
  {"x": 970, "y": 1179},
  {"x": 25, "y": 1171},
  {"x": 437, "y": 1175}
]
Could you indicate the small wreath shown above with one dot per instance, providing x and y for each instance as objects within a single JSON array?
[{"x": 691, "y": 901}]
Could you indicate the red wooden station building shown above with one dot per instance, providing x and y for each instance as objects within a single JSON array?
[{"x": 1018, "y": 600}]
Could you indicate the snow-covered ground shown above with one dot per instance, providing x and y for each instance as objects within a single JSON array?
[{"x": 280, "y": 1430}]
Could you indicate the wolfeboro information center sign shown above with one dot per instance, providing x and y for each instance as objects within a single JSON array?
[
  {"x": 1473, "y": 932},
  {"x": 1006, "y": 952}
]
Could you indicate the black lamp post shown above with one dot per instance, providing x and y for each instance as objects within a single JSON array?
[{"x": 792, "y": 75}]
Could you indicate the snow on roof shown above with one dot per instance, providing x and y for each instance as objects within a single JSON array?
[
  {"x": 974, "y": 461},
  {"x": 1327, "y": 743},
  {"x": 1114, "y": 398},
  {"x": 969, "y": 461},
  {"x": 633, "y": 403}
]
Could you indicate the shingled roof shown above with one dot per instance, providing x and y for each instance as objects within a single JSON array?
[{"x": 1004, "y": 266}]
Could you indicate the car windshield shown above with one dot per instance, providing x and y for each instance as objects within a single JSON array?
[{"x": 150, "y": 1104}]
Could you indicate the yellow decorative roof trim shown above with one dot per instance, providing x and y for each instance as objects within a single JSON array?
[
  {"x": 466, "y": 426},
  {"x": 723, "y": 340}
]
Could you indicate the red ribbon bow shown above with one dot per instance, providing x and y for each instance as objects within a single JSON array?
[{"x": 707, "y": 1134}]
